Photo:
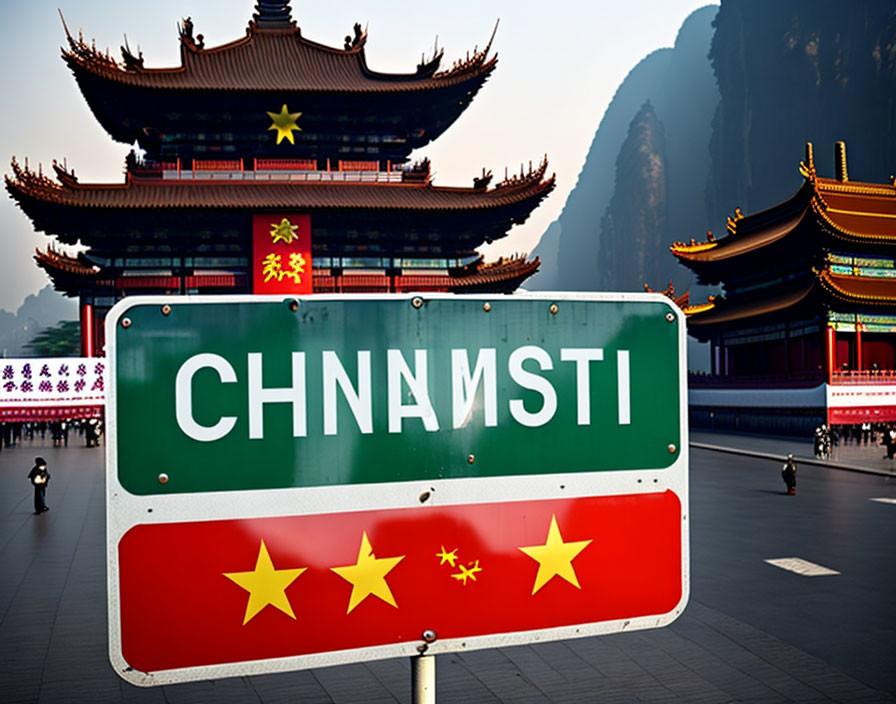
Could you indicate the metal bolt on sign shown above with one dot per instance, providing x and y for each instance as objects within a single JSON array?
[
  {"x": 554, "y": 309},
  {"x": 166, "y": 309},
  {"x": 417, "y": 302},
  {"x": 670, "y": 316},
  {"x": 125, "y": 323}
]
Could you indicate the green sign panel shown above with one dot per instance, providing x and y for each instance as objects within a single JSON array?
[{"x": 234, "y": 394}]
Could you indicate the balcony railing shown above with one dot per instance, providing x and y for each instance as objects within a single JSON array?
[
  {"x": 270, "y": 170},
  {"x": 865, "y": 376}
]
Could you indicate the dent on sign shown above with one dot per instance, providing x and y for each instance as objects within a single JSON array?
[{"x": 402, "y": 373}]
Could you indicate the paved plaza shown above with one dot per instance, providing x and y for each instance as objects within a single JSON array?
[{"x": 752, "y": 632}]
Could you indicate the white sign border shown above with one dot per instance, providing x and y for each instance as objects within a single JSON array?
[{"x": 124, "y": 508}]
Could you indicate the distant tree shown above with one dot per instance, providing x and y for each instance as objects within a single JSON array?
[{"x": 62, "y": 340}]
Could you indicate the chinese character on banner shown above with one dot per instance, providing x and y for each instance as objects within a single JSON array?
[{"x": 281, "y": 253}]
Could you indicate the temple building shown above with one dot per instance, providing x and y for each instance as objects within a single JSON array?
[
  {"x": 273, "y": 164},
  {"x": 805, "y": 330}
]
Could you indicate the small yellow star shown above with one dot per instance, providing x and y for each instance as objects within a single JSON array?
[
  {"x": 449, "y": 557},
  {"x": 284, "y": 232},
  {"x": 265, "y": 585},
  {"x": 555, "y": 558},
  {"x": 368, "y": 575},
  {"x": 468, "y": 572},
  {"x": 284, "y": 123}
]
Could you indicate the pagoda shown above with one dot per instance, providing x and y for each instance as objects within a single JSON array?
[
  {"x": 273, "y": 164},
  {"x": 808, "y": 306}
]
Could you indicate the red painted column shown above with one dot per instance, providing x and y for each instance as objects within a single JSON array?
[
  {"x": 859, "y": 346},
  {"x": 831, "y": 352},
  {"x": 87, "y": 341}
]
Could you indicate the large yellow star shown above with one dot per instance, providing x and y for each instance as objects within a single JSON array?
[
  {"x": 555, "y": 557},
  {"x": 368, "y": 575},
  {"x": 265, "y": 585},
  {"x": 284, "y": 123}
]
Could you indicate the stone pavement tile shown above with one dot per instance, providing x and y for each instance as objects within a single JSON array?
[
  {"x": 613, "y": 657},
  {"x": 234, "y": 690},
  {"x": 537, "y": 665},
  {"x": 788, "y": 670},
  {"x": 697, "y": 647},
  {"x": 395, "y": 677},
  {"x": 289, "y": 688},
  {"x": 501, "y": 676},
  {"x": 352, "y": 684},
  {"x": 82, "y": 689},
  {"x": 456, "y": 683},
  {"x": 131, "y": 694}
]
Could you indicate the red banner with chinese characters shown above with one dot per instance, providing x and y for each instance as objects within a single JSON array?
[
  {"x": 281, "y": 253},
  {"x": 224, "y": 591}
]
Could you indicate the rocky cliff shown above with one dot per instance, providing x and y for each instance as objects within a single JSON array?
[
  {"x": 680, "y": 86},
  {"x": 795, "y": 71}
]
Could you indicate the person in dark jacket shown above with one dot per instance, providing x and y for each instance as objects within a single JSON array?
[
  {"x": 39, "y": 477},
  {"x": 789, "y": 474}
]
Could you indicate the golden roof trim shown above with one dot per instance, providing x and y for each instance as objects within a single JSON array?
[{"x": 839, "y": 231}]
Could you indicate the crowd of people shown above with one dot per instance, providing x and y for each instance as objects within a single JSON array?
[
  {"x": 828, "y": 437},
  {"x": 86, "y": 430}
]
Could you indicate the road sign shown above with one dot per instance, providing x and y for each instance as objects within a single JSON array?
[{"x": 301, "y": 482}]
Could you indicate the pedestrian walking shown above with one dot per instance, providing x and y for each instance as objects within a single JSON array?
[
  {"x": 39, "y": 477},
  {"x": 890, "y": 441},
  {"x": 789, "y": 475}
]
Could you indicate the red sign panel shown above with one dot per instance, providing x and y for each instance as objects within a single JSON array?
[
  {"x": 228, "y": 591},
  {"x": 281, "y": 253}
]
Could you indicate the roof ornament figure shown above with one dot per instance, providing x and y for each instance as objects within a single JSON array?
[
  {"x": 131, "y": 62},
  {"x": 484, "y": 180},
  {"x": 186, "y": 29}
]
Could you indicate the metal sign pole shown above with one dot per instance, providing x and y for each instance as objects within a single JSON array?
[{"x": 423, "y": 679}]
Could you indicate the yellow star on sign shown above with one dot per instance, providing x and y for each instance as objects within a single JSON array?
[
  {"x": 368, "y": 575},
  {"x": 445, "y": 556},
  {"x": 284, "y": 232},
  {"x": 284, "y": 123},
  {"x": 265, "y": 585},
  {"x": 555, "y": 558}
]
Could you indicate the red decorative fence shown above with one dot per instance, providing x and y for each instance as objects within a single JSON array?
[
  {"x": 285, "y": 165},
  {"x": 217, "y": 165},
  {"x": 359, "y": 165},
  {"x": 865, "y": 376}
]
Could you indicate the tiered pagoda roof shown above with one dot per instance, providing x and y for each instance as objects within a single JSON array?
[
  {"x": 72, "y": 210},
  {"x": 806, "y": 252},
  {"x": 274, "y": 123},
  {"x": 334, "y": 91},
  {"x": 70, "y": 274}
]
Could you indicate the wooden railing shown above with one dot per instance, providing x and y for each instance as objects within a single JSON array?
[
  {"x": 286, "y": 165},
  {"x": 864, "y": 376},
  {"x": 217, "y": 165}
]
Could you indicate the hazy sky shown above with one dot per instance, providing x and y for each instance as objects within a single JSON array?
[{"x": 559, "y": 64}]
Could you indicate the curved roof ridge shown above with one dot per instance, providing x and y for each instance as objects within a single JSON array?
[
  {"x": 211, "y": 64},
  {"x": 863, "y": 288},
  {"x": 723, "y": 311},
  {"x": 839, "y": 224}
]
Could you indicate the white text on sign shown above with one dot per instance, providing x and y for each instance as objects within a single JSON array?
[{"x": 401, "y": 374}]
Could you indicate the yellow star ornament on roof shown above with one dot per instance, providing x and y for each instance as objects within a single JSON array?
[
  {"x": 284, "y": 123},
  {"x": 368, "y": 575},
  {"x": 555, "y": 557},
  {"x": 265, "y": 585}
]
